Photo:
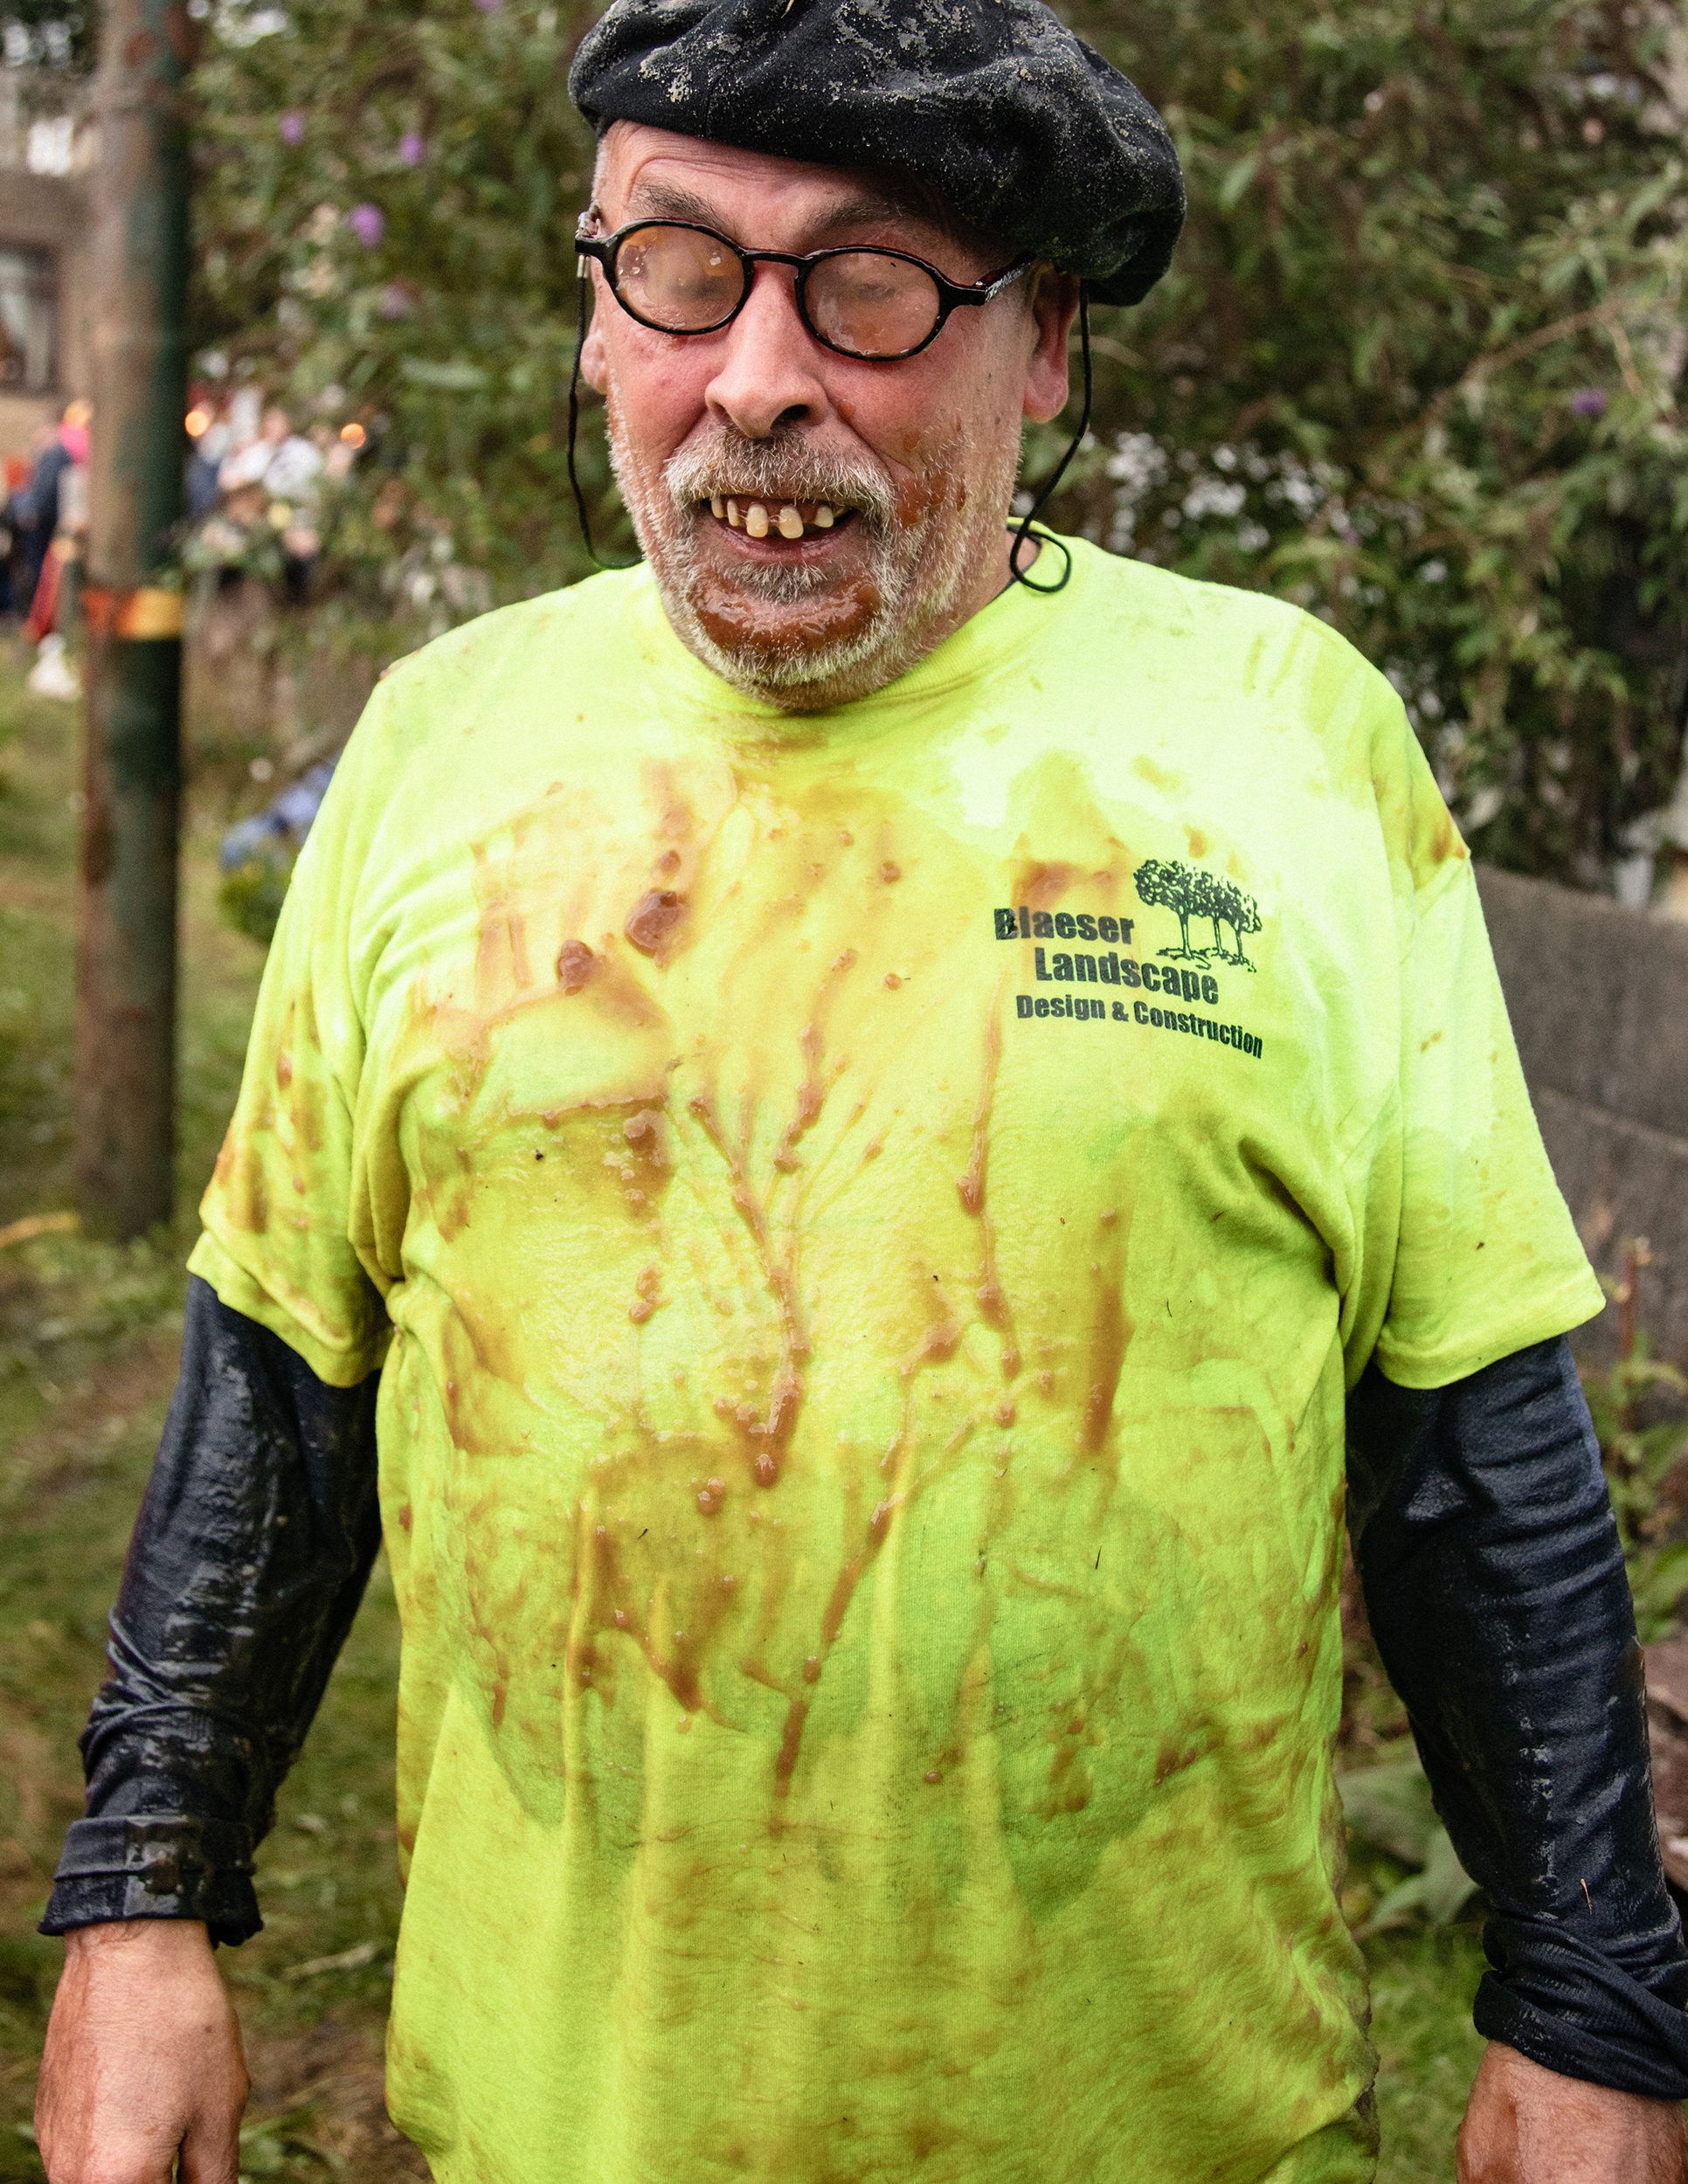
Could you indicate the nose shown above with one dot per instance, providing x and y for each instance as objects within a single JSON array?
[{"x": 770, "y": 370}]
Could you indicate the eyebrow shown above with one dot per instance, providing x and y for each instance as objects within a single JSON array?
[{"x": 868, "y": 208}]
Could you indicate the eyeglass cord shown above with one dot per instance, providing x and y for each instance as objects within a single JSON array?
[{"x": 1022, "y": 530}]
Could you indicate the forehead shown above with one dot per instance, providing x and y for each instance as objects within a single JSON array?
[{"x": 643, "y": 169}]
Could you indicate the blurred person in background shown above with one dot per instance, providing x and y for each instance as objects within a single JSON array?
[
  {"x": 13, "y": 580},
  {"x": 34, "y": 508},
  {"x": 210, "y": 440},
  {"x": 274, "y": 480},
  {"x": 60, "y": 484}
]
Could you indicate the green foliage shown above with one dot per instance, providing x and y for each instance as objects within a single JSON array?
[
  {"x": 251, "y": 896},
  {"x": 1388, "y": 1806},
  {"x": 385, "y": 220},
  {"x": 1415, "y": 365},
  {"x": 1643, "y": 1456}
]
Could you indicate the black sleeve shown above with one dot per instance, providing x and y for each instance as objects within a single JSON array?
[
  {"x": 249, "y": 1558},
  {"x": 1492, "y": 1575}
]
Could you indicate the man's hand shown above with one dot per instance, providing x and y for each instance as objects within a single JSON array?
[
  {"x": 143, "y": 2060},
  {"x": 1527, "y": 2125}
]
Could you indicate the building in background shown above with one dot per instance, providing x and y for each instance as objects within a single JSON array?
[{"x": 45, "y": 155}]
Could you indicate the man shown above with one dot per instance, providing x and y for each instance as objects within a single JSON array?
[{"x": 846, "y": 1123}]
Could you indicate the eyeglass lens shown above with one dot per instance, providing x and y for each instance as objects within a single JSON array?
[{"x": 685, "y": 281}]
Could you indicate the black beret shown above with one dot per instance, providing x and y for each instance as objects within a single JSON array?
[{"x": 1024, "y": 129}]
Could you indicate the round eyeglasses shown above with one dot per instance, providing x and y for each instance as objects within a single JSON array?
[{"x": 877, "y": 305}]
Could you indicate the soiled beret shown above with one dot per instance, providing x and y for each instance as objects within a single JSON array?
[{"x": 1023, "y": 128}]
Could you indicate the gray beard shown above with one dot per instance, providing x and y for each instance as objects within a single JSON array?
[{"x": 916, "y": 575}]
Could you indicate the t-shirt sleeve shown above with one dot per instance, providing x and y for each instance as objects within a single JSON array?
[
  {"x": 278, "y": 1244},
  {"x": 1487, "y": 1260}
]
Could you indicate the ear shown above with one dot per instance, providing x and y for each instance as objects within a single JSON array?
[
  {"x": 594, "y": 364},
  {"x": 1054, "y": 306}
]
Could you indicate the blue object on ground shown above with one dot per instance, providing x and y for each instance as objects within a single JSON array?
[{"x": 283, "y": 823}]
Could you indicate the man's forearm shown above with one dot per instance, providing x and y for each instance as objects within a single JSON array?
[
  {"x": 249, "y": 1558},
  {"x": 1493, "y": 1579}
]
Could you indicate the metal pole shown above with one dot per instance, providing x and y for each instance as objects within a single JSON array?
[{"x": 126, "y": 965}]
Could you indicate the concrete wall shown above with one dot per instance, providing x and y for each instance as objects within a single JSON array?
[{"x": 1599, "y": 1002}]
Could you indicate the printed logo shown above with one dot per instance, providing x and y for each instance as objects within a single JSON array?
[{"x": 1189, "y": 893}]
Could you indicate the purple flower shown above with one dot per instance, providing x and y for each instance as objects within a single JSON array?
[
  {"x": 397, "y": 302},
  {"x": 489, "y": 7},
  {"x": 292, "y": 128},
  {"x": 1588, "y": 402},
  {"x": 368, "y": 222},
  {"x": 411, "y": 150}
]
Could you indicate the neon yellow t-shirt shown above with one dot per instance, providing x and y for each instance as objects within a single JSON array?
[{"x": 873, "y": 1218}]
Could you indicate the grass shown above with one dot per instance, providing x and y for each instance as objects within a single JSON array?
[{"x": 88, "y": 1336}]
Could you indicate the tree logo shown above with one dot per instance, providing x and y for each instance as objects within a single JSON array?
[{"x": 1189, "y": 893}]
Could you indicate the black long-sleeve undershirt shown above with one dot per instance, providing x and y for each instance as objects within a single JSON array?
[
  {"x": 1492, "y": 1575},
  {"x": 1486, "y": 1551},
  {"x": 249, "y": 1558}
]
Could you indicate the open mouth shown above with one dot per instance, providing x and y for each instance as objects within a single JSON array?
[{"x": 760, "y": 516}]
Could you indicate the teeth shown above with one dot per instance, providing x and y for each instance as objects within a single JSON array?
[{"x": 757, "y": 521}]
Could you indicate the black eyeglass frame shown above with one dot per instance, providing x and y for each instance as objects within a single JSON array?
[{"x": 951, "y": 295}]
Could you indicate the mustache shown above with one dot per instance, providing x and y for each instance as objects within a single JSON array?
[{"x": 781, "y": 467}]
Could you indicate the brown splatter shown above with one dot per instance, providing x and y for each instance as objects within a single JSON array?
[
  {"x": 849, "y": 1577},
  {"x": 790, "y": 1743},
  {"x": 786, "y": 1394},
  {"x": 501, "y": 959},
  {"x": 741, "y": 625},
  {"x": 1172, "y": 1758},
  {"x": 575, "y": 965},
  {"x": 812, "y": 1093},
  {"x": 888, "y": 872},
  {"x": 1161, "y": 777},
  {"x": 652, "y": 920},
  {"x": 239, "y": 1181},
  {"x": 993, "y": 1300},
  {"x": 937, "y": 1344},
  {"x": 971, "y": 1182},
  {"x": 611, "y": 1591},
  {"x": 643, "y": 1132},
  {"x": 1197, "y": 840},
  {"x": 647, "y": 1301},
  {"x": 1037, "y": 884},
  {"x": 1110, "y": 1340}
]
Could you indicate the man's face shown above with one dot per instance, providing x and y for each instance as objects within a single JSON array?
[{"x": 913, "y": 462}]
